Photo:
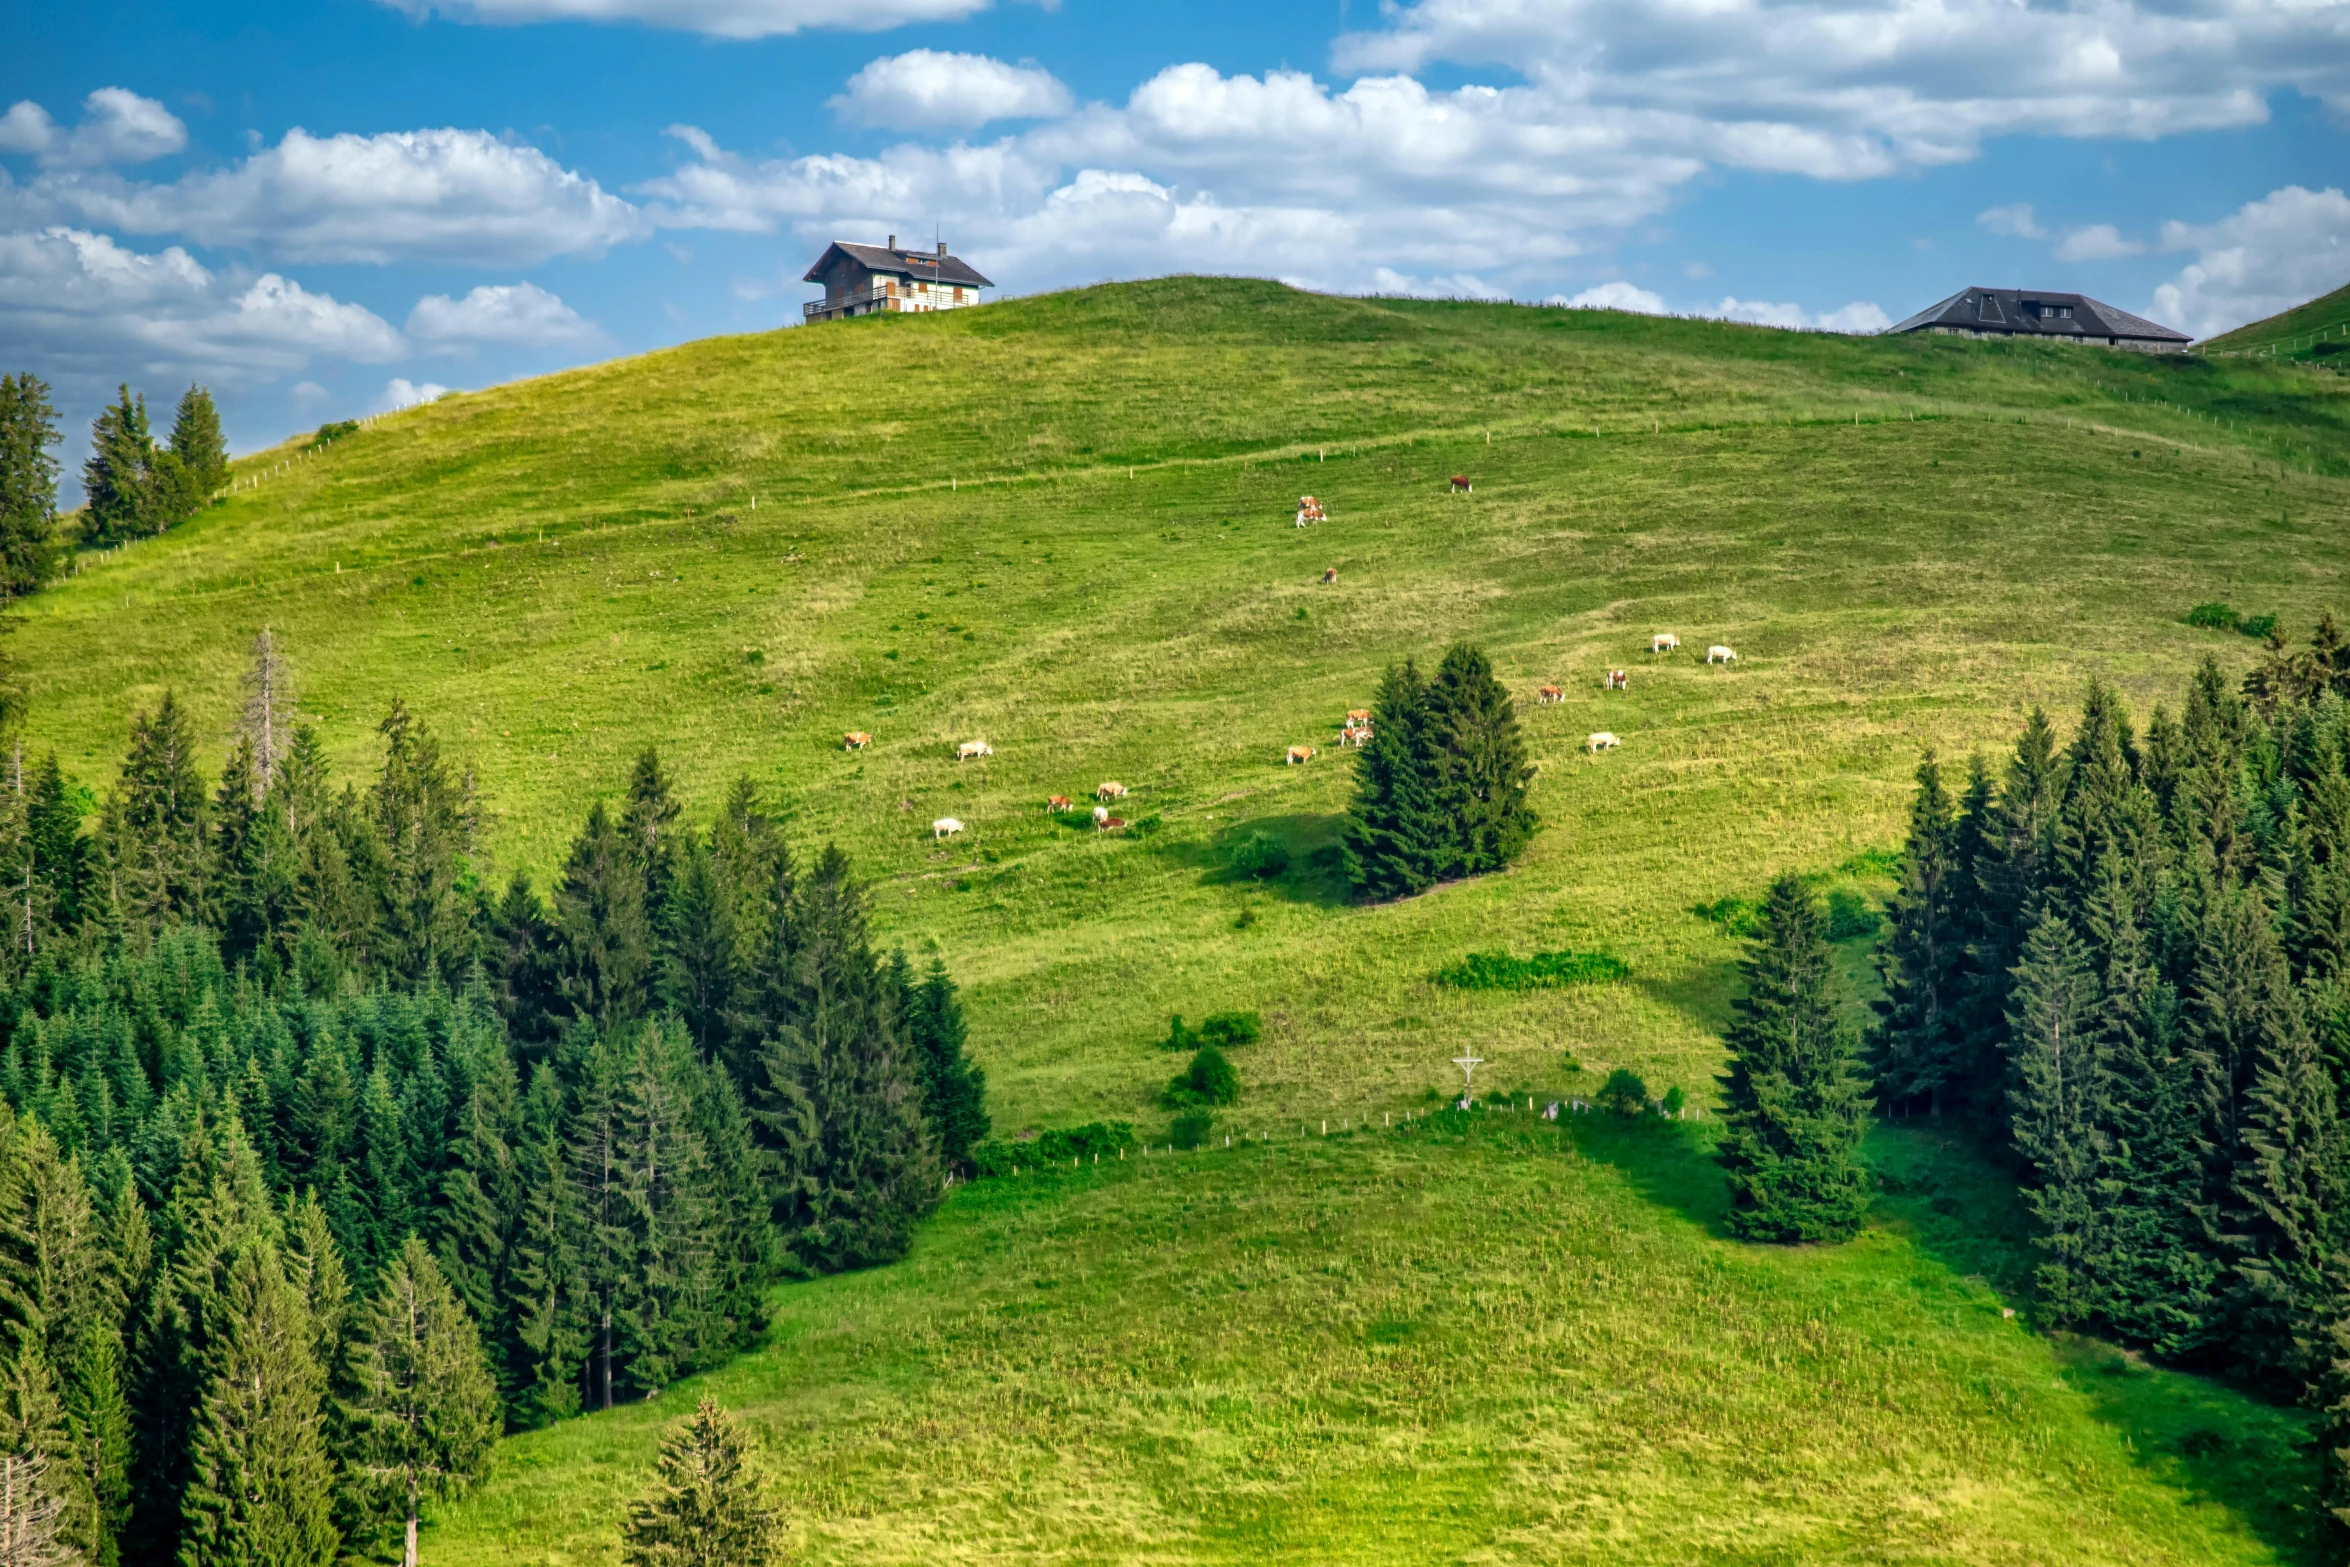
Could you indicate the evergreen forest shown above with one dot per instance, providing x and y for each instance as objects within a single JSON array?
[{"x": 282, "y": 1075}]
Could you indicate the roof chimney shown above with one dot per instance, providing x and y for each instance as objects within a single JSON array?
[
  {"x": 942, "y": 247},
  {"x": 893, "y": 242}
]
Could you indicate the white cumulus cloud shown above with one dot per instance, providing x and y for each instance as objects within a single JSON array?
[
  {"x": 521, "y": 315},
  {"x": 2096, "y": 242},
  {"x": 400, "y": 392},
  {"x": 926, "y": 89},
  {"x": 2268, "y": 255},
  {"x": 117, "y": 126},
  {"x": 718, "y": 18},
  {"x": 440, "y": 195},
  {"x": 2014, "y": 220},
  {"x": 84, "y": 310},
  {"x": 1618, "y": 295}
]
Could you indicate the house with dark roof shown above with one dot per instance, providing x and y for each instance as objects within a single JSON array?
[
  {"x": 2025, "y": 312},
  {"x": 862, "y": 279}
]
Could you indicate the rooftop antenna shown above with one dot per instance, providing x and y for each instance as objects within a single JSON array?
[{"x": 1468, "y": 1065}]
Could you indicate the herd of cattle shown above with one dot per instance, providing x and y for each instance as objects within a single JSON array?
[{"x": 1355, "y": 731}]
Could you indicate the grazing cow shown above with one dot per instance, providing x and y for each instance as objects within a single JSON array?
[
  {"x": 971, "y": 748},
  {"x": 1460, "y": 484},
  {"x": 1718, "y": 654},
  {"x": 1112, "y": 790},
  {"x": 1308, "y": 510},
  {"x": 1057, "y": 803},
  {"x": 1664, "y": 642},
  {"x": 1354, "y": 734},
  {"x": 1329, "y": 575},
  {"x": 1300, "y": 753},
  {"x": 945, "y": 827},
  {"x": 1358, "y": 715},
  {"x": 1108, "y": 823},
  {"x": 855, "y": 740},
  {"x": 1601, "y": 740},
  {"x": 1548, "y": 695},
  {"x": 1101, "y": 814},
  {"x": 1616, "y": 681}
]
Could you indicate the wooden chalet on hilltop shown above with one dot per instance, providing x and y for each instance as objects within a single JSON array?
[
  {"x": 2025, "y": 312},
  {"x": 860, "y": 280}
]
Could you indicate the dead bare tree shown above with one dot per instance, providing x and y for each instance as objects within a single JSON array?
[{"x": 269, "y": 710}]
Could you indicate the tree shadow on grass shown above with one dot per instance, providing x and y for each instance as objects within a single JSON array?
[
  {"x": 2214, "y": 1441},
  {"x": 1668, "y": 1162},
  {"x": 1311, "y": 869}
]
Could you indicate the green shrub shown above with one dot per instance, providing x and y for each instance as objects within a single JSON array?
[
  {"x": 1544, "y": 970},
  {"x": 334, "y": 432},
  {"x": 1209, "y": 1080},
  {"x": 1178, "y": 1036},
  {"x": 1624, "y": 1093},
  {"x": 1872, "y": 862},
  {"x": 1736, "y": 916},
  {"x": 1849, "y": 915},
  {"x": 2213, "y": 616},
  {"x": 2257, "y": 626},
  {"x": 1673, "y": 1101},
  {"x": 1230, "y": 1030},
  {"x": 1190, "y": 1129},
  {"x": 1260, "y": 855}
]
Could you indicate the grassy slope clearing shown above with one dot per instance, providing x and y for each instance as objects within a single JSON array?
[{"x": 1063, "y": 524}]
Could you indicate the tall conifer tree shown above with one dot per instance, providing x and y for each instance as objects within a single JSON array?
[
  {"x": 28, "y": 484},
  {"x": 2053, "y": 1106},
  {"x": 1482, "y": 771},
  {"x": 118, "y": 483},
  {"x": 1921, "y": 1035},
  {"x": 1396, "y": 843},
  {"x": 1794, "y": 1108}
]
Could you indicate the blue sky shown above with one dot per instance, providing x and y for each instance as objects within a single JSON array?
[{"x": 328, "y": 208}]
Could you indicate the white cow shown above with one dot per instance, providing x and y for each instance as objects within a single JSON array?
[
  {"x": 971, "y": 748},
  {"x": 1663, "y": 642},
  {"x": 1101, "y": 814},
  {"x": 1601, "y": 740},
  {"x": 1718, "y": 654},
  {"x": 945, "y": 827}
]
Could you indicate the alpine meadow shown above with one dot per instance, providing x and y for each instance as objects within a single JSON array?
[{"x": 873, "y": 944}]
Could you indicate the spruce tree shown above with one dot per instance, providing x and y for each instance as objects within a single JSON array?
[
  {"x": 61, "y": 857},
  {"x": 954, "y": 1088},
  {"x": 2015, "y": 859},
  {"x": 522, "y": 950},
  {"x": 421, "y": 1411},
  {"x": 1794, "y": 1107},
  {"x": 2280, "y": 1217},
  {"x": 1482, "y": 771},
  {"x": 606, "y": 939},
  {"x": 118, "y": 479},
  {"x": 1921, "y": 1038},
  {"x": 650, "y": 826},
  {"x": 422, "y": 814},
  {"x": 154, "y": 823},
  {"x": 260, "y": 1487},
  {"x": 700, "y": 951},
  {"x": 2151, "y": 1273},
  {"x": 197, "y": 442},
  {"x": 543, "y": 1299},
  {"x": 2053, "y": 1106},
  {"x": 709, "y": 1507},
  {"x": 838, "y": 1104},
  {"x": 1396, "y": 843},
  {"x": 28, "y": 485}
]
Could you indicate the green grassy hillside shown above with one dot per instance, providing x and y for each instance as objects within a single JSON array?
[
  {"x": 2297, "y": 331},
  {"x": 1064, "y": 524}
]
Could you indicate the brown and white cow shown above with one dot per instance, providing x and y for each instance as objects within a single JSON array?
[
  {"x": 1329, "y": 575},
  {"x": 1663, "y": 642},
  {"x": 1299, "y": 753},
  {"x": 1057, "y": 803},
  {"x": 855, "y": 740},
  {"x": 1108, "y": 823},
  {"x": 1547, "y": 695},
  {"x": 1358, "y": 715},
  {"x": 1618, "y": 681},
  {"x": 1460, "y": 484}
]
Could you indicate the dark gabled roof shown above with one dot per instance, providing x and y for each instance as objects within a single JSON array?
[
  {"x": 2031, "y": 312},
  {"x": 928, "y": 265}
]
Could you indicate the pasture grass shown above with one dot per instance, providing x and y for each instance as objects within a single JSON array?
[
  {"x": 1475, "y": 1339},
  {"x": 1064, "y": 525}
]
